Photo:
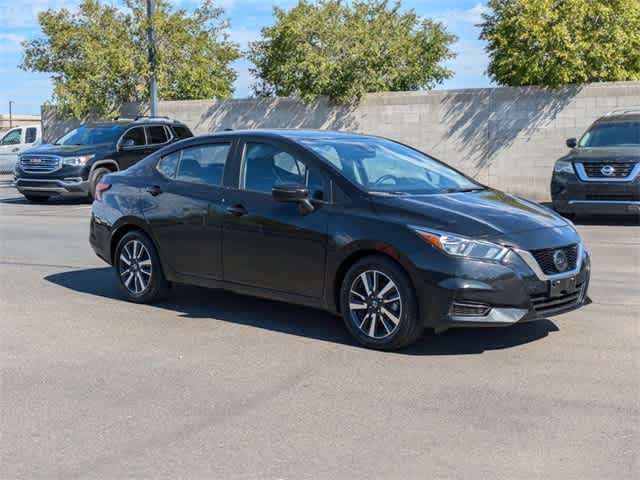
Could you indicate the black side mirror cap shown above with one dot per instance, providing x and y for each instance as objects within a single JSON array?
[
  {"x": 293, "y": 193},
  {"x": 572, "y": 142},
  {"x": 290, "y": 193}
]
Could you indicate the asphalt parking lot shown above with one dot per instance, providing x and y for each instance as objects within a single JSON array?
[{"x": 210, "y": 384}]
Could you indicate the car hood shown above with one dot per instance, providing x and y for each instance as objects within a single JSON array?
[
  {"x": 619, "y": 154},
  {"x": 489, "y": 214},
  {"x": 67, "y": 150}
]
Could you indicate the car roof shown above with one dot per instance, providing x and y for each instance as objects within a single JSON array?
[
  {"x": 126, "y": 122},
  {"x": 625, "y": 114},
  {"x": 292, "y": 134}
]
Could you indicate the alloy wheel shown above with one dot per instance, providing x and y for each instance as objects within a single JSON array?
[
  {"x": 375, "y": 304},
  {"x": 135, "y": 267}
]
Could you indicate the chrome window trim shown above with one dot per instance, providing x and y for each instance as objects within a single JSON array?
[
  {"x": 532, "y": 263},
  {"x": 582, "y": 174},
  {"x": 604, "y": 202}
]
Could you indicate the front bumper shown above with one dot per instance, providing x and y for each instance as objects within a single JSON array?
[
  {"x": 45, "y": 186},
  {"x": 495, "y": 295},
  {"x": 570, "y": 194}
]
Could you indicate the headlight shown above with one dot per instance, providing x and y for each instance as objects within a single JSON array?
[
  {"x": 77, "y": 161},
  {"x": 459, "y": 246},
  {"x": 563, "y": 166}
]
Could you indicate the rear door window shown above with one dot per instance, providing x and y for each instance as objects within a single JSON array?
[
  {"x": 157, "y": 134},
  {"x": 31, "y": 135},
  {"x": 203, "y": 163}
]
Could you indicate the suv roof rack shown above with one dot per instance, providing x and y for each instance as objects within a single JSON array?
[
  {"x": 149, "y": 117},
  {"x": 623, "y": 111}
]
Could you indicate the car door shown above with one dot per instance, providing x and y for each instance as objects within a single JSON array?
[
  {"x": 132, "y": 147},
  {"x": 268, "y": 244},
  {"x": 11, "y": 145},
  {"x": 183, "y": 208}
]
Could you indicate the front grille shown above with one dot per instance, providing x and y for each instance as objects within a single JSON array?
[
  {"x": 39, "y": 163},
  {"x": 620, "y": 169},
  {"x": 545, "y": 258},
  {"x": 615, "y": 197},
  {"x": 544, "y": 304}
]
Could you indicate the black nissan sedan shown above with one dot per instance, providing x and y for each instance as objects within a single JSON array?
[{"x": 390, "y": 238}]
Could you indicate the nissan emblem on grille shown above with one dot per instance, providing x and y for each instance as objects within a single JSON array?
[
  {"x": 608, "y": 171},
  {"x": 560, "y": 260}
]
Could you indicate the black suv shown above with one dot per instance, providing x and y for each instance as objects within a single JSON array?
[
  {"x": 76, "y": 162},
  {"x": 601, "y": 174}
]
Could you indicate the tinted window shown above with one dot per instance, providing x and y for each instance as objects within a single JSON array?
[
  {"x": 380, "y": 165},
  {"x": 136, "y": 135},
  {"x": 91, "y": 135},
  {"x": 12, "y": 138},
  {"x": 204, "y": 163},
  {"x": 168, "y": 165},
  {"x": 31, "y": 135},
  {"x": 182, "y": 132},
  {"x": 266, "y": 165},
  {"x": 612, "y": 134},
  {"x": 157, "y": 134}
]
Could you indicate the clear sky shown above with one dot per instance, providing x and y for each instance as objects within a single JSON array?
[{"x": 18, "y": 21}]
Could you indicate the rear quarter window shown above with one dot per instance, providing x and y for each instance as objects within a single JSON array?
[{"x": 181, "y": 131}]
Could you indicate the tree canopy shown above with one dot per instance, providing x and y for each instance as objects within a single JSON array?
[
  {"x": 556, "y": 42},
  {"x": 98, "y": 55},
  {"x": 345, "y": 49}
]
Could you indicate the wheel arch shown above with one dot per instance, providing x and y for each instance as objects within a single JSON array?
[
  {"x": 124, "y": 226},
  {"x": 357, "y": 253},
  {"x": 106, "y": 163}
]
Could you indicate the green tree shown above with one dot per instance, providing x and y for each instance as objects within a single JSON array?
[
  {"x": 98, "y": 56},
  {"x": 343, "y": 50},
  {"x": 556, "y": 42}
]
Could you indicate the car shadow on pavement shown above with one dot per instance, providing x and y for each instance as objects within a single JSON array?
[
  {"x": 194, "y": 303},
  {"x": 56, "y": 200}
]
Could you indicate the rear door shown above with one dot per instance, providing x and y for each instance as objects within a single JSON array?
[{"x": 183, "y": 207}]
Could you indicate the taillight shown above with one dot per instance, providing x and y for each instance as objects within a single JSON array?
[{"x": 101, "y": 187}]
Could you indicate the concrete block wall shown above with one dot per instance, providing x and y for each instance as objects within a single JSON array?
[{"x": 505, "y": 137}]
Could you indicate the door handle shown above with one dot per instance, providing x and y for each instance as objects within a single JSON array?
[
  {"x": 154, "y": 190},
  {"x": 237, "y": 210},
  {"x": 15, "y": 150}
]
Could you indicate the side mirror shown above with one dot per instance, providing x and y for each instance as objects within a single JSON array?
[
  {"x": 293, "y": 193},
  {"x": 127, "y": 144},
  {"x": 572, "y": 142}
]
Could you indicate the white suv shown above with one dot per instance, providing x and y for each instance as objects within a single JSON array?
[{"x": 15, "y": 141}]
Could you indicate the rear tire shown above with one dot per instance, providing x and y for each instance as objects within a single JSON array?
[
  {"x": 138, "y": 269},
  {"x": 383, "y": 314},
  {"x": 95, "y": 178},
  {"x": 37, "y": 198}
]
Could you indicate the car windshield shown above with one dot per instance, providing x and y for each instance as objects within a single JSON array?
[
  {"x": 618, "y": 134},
  {"x": 383, "y": 166},
  {"x": 88, "y": 135}
]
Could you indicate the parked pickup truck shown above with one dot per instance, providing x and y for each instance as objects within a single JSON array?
[{"x": 14, "y": 142}]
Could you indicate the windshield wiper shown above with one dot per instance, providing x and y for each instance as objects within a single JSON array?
[
  {"x": 387, "y": 192},
  {"x": 464, "y": 190}
]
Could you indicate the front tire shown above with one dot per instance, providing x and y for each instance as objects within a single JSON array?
[
  {"x": 379, "y": 305},
  {"x": 138, "y": 269}
]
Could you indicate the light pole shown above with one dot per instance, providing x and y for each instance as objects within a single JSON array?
[
  {"x": 10, "y": 115},
  {"x": 153, "y": 89}
]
